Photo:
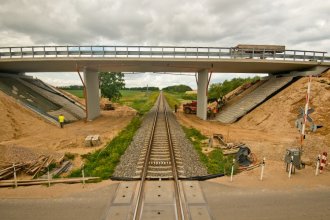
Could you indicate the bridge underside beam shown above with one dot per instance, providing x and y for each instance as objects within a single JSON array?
[
  {"x": 15, "y": 65},
  {"x": 202, "y": 84},
  {"x": 91, "y": 79},
  {"x": 309, "y": 72}
]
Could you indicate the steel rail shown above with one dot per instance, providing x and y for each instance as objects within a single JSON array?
[
  {"x": 181, "y": 211},
  {"x": 179, "y": 204},
  {"x": 137, "y": 210}
]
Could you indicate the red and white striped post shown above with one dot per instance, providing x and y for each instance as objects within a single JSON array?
[
  {"x": 323, "y": 161},
  {"x": 306, "y": 111}
]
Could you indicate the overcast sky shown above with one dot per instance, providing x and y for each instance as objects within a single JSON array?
[{"x": 298, "y": 24}]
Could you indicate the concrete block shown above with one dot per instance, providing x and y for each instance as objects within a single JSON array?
[
  {"x": 88, "y": 141},
  {"x": 96, "y": 140},
  {"x": 92, "y": 140}
]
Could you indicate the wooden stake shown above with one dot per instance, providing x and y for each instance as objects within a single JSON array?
[
  {"x": 290, "y": 169},
  {"x": 232, "y": 171},
  {"x": 262, "y": 169},
  {"x": 15, "y": 179},
  {"x": 48, "y": 177},
  {"x": 83, "y": 175},
  {"x": 317, "y": 165}
]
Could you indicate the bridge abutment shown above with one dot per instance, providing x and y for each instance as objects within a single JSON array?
[
  {"x": 202, "y": 86},
  {"x": 91, "y": 79}
]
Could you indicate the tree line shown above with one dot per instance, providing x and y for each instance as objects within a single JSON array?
[
  {"x": 219, "y": 90},
  {"x": 151, "y": 88},
  {"x": 112, "y": 82}
]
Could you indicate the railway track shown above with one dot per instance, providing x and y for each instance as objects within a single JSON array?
[{"x": 160, "y": 159}]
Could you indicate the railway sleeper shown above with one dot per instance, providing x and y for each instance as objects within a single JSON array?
[{"x": 160, "y": 162}]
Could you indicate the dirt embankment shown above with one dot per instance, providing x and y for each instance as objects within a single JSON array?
[
  {"x": 270, "y": 129},
  {"x": 277, "y": 116},
  {"x": 25, "y": 135}
]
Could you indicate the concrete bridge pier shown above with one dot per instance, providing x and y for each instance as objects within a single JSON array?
[
  {"x": 91, "y": 78},
  {"x": 202, "y": 87}
]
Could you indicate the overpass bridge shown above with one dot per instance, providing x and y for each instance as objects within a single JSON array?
[{"x": 200, "y": 60}]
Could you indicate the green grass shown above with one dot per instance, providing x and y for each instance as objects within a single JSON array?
[
  {"x": 173, "y": 99},
  {"x": 215, "y": 162},
  {"x": 139, "y": 100},
  {"x": 102, "y": 162},
  {"x": 78, "y": 93},
  {"x": 182, "y": 96}
]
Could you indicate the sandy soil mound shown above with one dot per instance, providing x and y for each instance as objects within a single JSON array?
[
  {"x": 270, "y": 128},
  {"x": 24, "y": 135},
  {"x": 17, "y": 121},
  {"x": 278, "y": 115}
]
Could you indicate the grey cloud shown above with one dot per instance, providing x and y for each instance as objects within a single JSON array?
[
  {"x": 203, "y": 22},
  {"x": 298, "y": 24}
]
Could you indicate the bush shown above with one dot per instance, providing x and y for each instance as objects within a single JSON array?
[
  {"x": 189, "y": 96},
  {"x": 69, "y": 156},
  {"x": 218, "y": 90}
]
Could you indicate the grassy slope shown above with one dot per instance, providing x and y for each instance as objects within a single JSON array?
[
  {"x": 139, "y": 100},
  {"x": 215, "y": 162},
  {"x": 172, "y": 99},
  {"x": 78, "y": 93},
  {"x": 102, "y": 162}
]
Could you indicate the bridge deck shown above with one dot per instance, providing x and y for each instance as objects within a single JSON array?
[{"x": 156, "y": 59}]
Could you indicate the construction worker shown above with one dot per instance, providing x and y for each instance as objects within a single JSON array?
[
  {"x": 175, "y": 108},
  {"x": 215, "y": 112},
  {"x": 61, "y": 120},
  {"x": 209, "y": 112}
]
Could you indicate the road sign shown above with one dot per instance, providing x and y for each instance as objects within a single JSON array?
[{"x": 302, "y": 114}]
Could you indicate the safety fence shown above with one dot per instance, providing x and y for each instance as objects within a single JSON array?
[{"x": 160, "y": 52}]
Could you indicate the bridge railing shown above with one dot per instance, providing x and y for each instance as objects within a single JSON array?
[{"x": 159, "y": 52}]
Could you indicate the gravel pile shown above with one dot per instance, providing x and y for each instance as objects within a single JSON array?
[{"x": 19, "y": 154}]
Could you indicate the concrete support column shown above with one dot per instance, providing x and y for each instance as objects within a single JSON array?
[
  {"x": 91, "y": 79},
  {"x": 202, "y": 85}
]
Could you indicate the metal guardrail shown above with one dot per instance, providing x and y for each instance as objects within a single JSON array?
[{"x": 158, "y": 52}]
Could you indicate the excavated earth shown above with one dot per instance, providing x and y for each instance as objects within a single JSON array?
[
  {"x": 270, "y": 129},
  {"x": 24, "y": 136}
]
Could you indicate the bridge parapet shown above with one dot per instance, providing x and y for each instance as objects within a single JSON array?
[{"x": 159, "y": 52}]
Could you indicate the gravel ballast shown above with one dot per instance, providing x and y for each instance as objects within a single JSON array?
[{"x": 128, "y": 162}]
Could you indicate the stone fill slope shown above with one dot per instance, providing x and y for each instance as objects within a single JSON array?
[{"x": 250, "y": 101}]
